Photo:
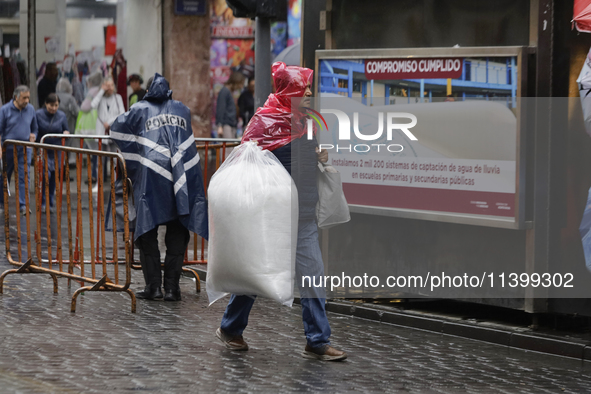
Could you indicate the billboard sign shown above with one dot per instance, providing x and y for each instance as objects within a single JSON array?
[{"x": 412, "y": 143}]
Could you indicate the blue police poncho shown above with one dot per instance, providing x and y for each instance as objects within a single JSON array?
[{"x": 156, "y": 140}]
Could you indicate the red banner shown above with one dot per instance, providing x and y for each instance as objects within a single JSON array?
[
  {"x": 414, "y": 68},
  {"x": 438, "y": 200},
  {"x": 110, "y": 40}
]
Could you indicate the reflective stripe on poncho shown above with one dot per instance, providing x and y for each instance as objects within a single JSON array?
[{"x": 156, "y": 140}]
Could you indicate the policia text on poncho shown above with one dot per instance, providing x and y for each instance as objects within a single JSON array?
[{"x": 156, "y": 140}]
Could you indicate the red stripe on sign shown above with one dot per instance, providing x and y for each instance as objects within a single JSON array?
[
  {"x": 414, "y": 68},
  {"x": 440, "y": 200}
]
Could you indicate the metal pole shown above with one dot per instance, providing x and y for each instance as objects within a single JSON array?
[
  {"x": 31, "y": 49},
  {"x": 262, "y": 67}
]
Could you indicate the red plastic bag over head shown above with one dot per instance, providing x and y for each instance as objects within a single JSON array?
[
  {"x": 271, "y": 125},
  {"x": 582, "y": 15}
]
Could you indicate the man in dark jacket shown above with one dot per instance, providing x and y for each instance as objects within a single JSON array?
[
  {"x": 226, "y": 112},
  {"x": 281, "y": 130},
  {"x": 18, "y": 122},
  {"x": 156, "y": 140},
  {"x": 246, "y": 103}
]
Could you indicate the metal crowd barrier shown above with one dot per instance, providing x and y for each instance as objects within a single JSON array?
[
  {"x": 95, "y": 267},
  {"x": 210, "y": 149}
]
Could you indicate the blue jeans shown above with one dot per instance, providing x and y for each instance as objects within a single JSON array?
[
  {"x": 308, "y": 263},
  {"x": 9, "y": 158}
]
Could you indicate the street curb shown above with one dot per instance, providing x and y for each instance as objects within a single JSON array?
[
  {"x": 512, "y": 338},
  {"x": 557, "y": 346}
]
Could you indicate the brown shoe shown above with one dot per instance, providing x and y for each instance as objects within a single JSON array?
[
  {"x": 231, "y": 342},
  {"x": 324, "y": 353}
]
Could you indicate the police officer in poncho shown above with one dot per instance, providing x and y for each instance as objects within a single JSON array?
[{"x": 156, "y": 140}]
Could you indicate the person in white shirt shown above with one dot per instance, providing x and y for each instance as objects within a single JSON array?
[{"x": 109, "y": 106}]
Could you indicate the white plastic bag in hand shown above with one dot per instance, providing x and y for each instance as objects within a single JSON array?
[
  {"x": 332, "y": 207},
  {"x": 253, "y": 223}
]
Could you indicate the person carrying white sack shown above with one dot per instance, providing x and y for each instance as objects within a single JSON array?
[{"x": 271, "y": 128}]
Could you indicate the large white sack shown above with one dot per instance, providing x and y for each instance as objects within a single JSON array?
[{"x": 253, "y": 223}]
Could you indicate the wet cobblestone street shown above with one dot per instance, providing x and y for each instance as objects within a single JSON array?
[{"x": 171, "y": 347}]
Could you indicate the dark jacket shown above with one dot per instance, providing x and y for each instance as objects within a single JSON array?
[
  {"x": 51, "y": 124},
  {"x": 246, "y": 106},
  {"x": 156, "y": 140},
  {"x": 300, "y": 159},
  {"x": 225, "y": 113}
]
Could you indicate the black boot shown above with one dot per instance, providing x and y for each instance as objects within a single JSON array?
[
  {"x": 173, "y": 266},
  {"x": 172, "y": 295},
  {"x": 150, "y": 260},
  {"x": 177, "y": 238},
  {"x": 149, "y": 293}
]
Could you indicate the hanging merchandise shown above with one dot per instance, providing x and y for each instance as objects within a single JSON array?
[
  {"x": 22, "y": 68},
  {"x": 119, "y": 70},
  {"x": 8, "y": 79},
  {"x": 16, "y": 76}
]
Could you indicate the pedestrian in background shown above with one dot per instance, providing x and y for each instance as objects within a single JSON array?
[
  {"x": 226, "y": 114},
  {"x": 87, "y": 117},
  {"x": 109, "y": 106},
  {"x": 68, "y": 103},
  {"x": 17, "y": 122},
  {"x": 51, "y": 120},
  {"x": 135, "y": 82},
  {"x": 48, "y": 83},
  {"x": 246, "y": 103}
]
